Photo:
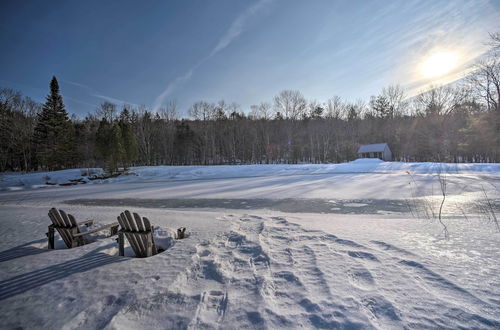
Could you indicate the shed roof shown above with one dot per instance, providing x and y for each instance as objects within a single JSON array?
[{"x": 377, "y": 147}]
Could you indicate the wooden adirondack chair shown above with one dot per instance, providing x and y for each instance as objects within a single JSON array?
[
  {"x": 139, "y": 233},
  {"x": 69, "y": 229}
]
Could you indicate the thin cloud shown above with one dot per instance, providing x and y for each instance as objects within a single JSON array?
[
  {"x": 76, "y": 84},
  {"x": 94, "y": 93},
  {"x": 113, "y": 100},
  {"x": 79, "y": 101},
  {"x": 173, "y": 85},
  {"x": 238, "y": 26},
  {"x": 231, "y": 34}
]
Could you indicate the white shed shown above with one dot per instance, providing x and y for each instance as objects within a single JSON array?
[{"x": 377, "y": 150}]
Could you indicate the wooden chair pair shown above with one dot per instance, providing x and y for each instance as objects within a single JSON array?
[{"x": 138, "y": 231}]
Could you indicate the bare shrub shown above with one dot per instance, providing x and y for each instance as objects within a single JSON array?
[
  {"x": 486, "y": 209},
  {"x": 422, "y": 207}
]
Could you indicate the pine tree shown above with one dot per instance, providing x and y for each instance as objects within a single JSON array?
[
  {"x": 54, "y": 133},
  {"x": 381, "y": 107},
  {"x": 110, "y": 145},
  {"x": 116, "y": 150},
  {"x": 103, "y": 145},
  {"x": 129, "y": 141}
]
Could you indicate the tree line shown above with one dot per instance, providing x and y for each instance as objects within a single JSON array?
[{"x": 454, "y": 123}]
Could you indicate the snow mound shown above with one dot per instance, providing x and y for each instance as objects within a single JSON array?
[
  {"x": 366, "y": 160},
  {"x": 185, "y": 173}
]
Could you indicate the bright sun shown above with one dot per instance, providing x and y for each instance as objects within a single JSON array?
[{"x": 438, "y": 64}]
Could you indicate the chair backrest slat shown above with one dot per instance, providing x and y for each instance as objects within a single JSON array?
[
  {"x": 120, "y": 222},
  {"x": 130, "y": 220},
  {"x": 147, "y": 224},
  {"x": 57, "y": 218},
  {"x": 65, "y": 218},
  {"x": 133, "y": 243},
  {"x": 143, "y": 242},
  {"x": 72, "y": 220},
  {"x": 123, "y": 221},
  {"x": 138, "y": 221},
  {"x": 66, "y": 236},
  {"x": 53, "y": 219}
]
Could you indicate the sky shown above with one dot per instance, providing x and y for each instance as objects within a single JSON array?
[{"x": 148, "y": 53}]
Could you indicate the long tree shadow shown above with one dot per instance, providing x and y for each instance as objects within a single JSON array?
[
  {"x": 22, "y": 251},
  {"x": 25, "y": 282}
]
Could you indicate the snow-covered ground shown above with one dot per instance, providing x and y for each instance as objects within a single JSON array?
[{"x": 270, "y": 246}]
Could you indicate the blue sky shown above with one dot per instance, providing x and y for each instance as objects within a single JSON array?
[{"x": 147, "y": 53}]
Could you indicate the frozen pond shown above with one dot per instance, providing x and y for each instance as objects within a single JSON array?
[{"x": 291, "y": 205}]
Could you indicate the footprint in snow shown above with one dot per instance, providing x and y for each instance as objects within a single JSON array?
[
  {"x": 361, "y": 278},
  {"x": 362, "y": 255},
  {"x": 211, "y": 309},
  {"x": 348, "y": 243},
  {"x": 381, "y": 311},
  {"x": 390, "y": 247}
]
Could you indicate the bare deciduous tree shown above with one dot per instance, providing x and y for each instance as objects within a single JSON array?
[
  {"x": 291, "y": 104},
  {"x": 336, "y": 108},
  {"x": 261, "y": 111}
]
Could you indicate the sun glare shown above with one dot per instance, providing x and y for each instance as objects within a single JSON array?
[{"x": 438, "y": 64}]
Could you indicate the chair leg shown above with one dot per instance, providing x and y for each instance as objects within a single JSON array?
[
  {"x": 50, "y": 236},
  {"x": 75, "y": 242},
  {"x": 121, "y": 244}
]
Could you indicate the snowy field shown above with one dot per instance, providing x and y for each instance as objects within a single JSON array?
[{"x": 271, "y": 246}]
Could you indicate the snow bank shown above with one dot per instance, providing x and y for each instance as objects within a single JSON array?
[
  {"x": 17, "y": 181},
  {"x": 364, "y": 165}
]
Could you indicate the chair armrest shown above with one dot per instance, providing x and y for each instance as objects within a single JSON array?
[
  {"x": 86, "y": 222},
  {"x": 115, "y": 224}
]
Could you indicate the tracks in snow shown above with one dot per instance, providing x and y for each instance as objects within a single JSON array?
[{"x": 270, "y": 273}]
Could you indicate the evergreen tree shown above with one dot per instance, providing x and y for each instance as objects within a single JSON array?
[
  {"x": 129, "y": 141},
  {"x": 54, "y": 133},
  {"x": 110, "y": 145},
  {"x": 317, "y": 112},
  {"x": 184, "y": 141},
  {"x": 381, "y": 107},
  {"x": 352, "y": 114},
  {"x": 116, "y": 151},
  {"x": 101, "y": 140}
]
